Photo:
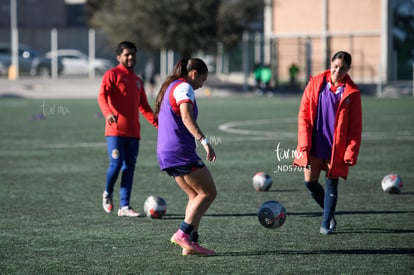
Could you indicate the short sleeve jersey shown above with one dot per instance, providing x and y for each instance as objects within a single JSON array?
[{"x": 176, "y": 145}]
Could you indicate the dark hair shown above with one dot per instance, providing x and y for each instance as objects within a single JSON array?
[
  {"x": 125, "y": 45},
  {"x": 345, "y": 56},
  {"x": 181, "y": 69}
]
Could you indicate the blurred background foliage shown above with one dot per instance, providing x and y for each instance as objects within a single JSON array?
[{"x": 185, "y": 26}]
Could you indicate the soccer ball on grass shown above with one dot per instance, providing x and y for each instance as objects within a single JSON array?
[
  {"x": 272, "y": 214},
  {"x": 262, "y": 181},
  {"x": 392, "y": 184},
  {"x": 155, "y": 207}
]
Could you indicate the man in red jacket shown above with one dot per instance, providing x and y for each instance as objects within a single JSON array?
[
  {"x": 121, "y": 98},
  {"x": 329, "y": 133}
]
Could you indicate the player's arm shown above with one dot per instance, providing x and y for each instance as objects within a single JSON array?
[
  {"x": 146, "y": 110},
  {"x": 355, "y": 130},
  {"x": 104, "y": 92},
  {"x": 304, "y": 117},
  {"x": 186, "y": 110}
]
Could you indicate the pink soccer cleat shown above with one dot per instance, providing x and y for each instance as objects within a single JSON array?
[
  {"x": 181, "y": 239},
  {"x": 198, "y": 249}
]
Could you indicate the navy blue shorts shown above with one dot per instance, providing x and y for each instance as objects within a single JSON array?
[{"x": 185, "y": 169}]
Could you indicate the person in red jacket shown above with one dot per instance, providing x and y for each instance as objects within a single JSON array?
[
  {"x": 121, "y": 98},
  {"x": 329, "y": 133}
]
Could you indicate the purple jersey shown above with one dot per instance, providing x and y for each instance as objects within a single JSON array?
[
  {"x": 176, "y": 145},
  {"x": 323, "y": 130}
]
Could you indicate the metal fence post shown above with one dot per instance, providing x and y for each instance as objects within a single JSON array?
[
  {"x": 54, "y": 56},
  {"x": 379, "y": 84},
  {"x": 91, "y": 42}
]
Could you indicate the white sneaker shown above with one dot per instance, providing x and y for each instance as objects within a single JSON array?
[
  {"x": 128, "y": 212},
  {"x": 107, "y": 203},
  {"x": 325, "y": 231},
  {"x": 332, "y": 224}
]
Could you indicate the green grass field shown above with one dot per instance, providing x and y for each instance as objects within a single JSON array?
[{"x": 53, "y": 172}]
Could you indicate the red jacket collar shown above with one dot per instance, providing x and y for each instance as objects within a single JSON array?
[
  {"x": 347, "y": 82},
  {"x": 122, "y": 68}
]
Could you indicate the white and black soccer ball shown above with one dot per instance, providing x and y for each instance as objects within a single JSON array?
[
  {"x": 262, "y": 181},
  {"x": 155, "y": 207},
  {"x": 392, "y": 184},
  {"x": 272, "y": 214}
]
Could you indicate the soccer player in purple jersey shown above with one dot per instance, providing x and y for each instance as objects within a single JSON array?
[{"x": 176, "y": 109}]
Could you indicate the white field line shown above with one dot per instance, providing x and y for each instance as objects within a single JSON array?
[
  {"x": 241, "y": 135},
  {"x": 235, "y": 127},
  {"x": 73, "y": 145}
]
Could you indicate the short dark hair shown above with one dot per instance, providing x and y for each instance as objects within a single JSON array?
[
  {"x": 125, "y": 45},
  {"x": 345, "y": 56}
]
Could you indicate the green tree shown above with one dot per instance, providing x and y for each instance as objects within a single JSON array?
[{"x": 184, "y": 26}]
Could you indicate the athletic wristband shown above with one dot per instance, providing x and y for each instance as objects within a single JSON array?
[{"x": 204, "y": 141}]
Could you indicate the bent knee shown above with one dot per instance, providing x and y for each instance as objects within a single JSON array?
[{"x": 209, "y": 194}]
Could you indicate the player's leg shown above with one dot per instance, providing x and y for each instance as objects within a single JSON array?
[
  {"x": 190, "y": 192},
  {"x": 202, "y": 182},
  {"x": 201, "y": 190},
  {"x": 183, "y": 236},
  {"x": 130, "y": 150},
  {"x": 115, "y": 151},
  {"x": 115, "y": 164},
  {"x": 331, "y": 198},
  {"x": 311, "y": 175}
]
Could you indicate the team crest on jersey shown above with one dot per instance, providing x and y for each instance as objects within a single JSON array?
[{"x": 139, "y": 84}]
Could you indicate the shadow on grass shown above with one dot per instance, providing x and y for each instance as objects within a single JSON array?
[
  {"x": 406, "y": 193},
  {"x": 376, "y": 230},
  {"x": 305, "y": 214},
  {"x": 340, "y": 213},
  {"x": 177, "y": 217},
  {"x": 384, "y": 251},
  {"x": 283, "y": 190}
]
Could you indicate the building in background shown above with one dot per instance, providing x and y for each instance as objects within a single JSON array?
[
  {"x": 308, "y": 32},
  {"x": 299, "y": 33}
]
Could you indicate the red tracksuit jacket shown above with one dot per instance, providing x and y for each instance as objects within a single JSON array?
[
  {"x": 122, "y": 94},
  {"x": 347, "y": 131}
]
